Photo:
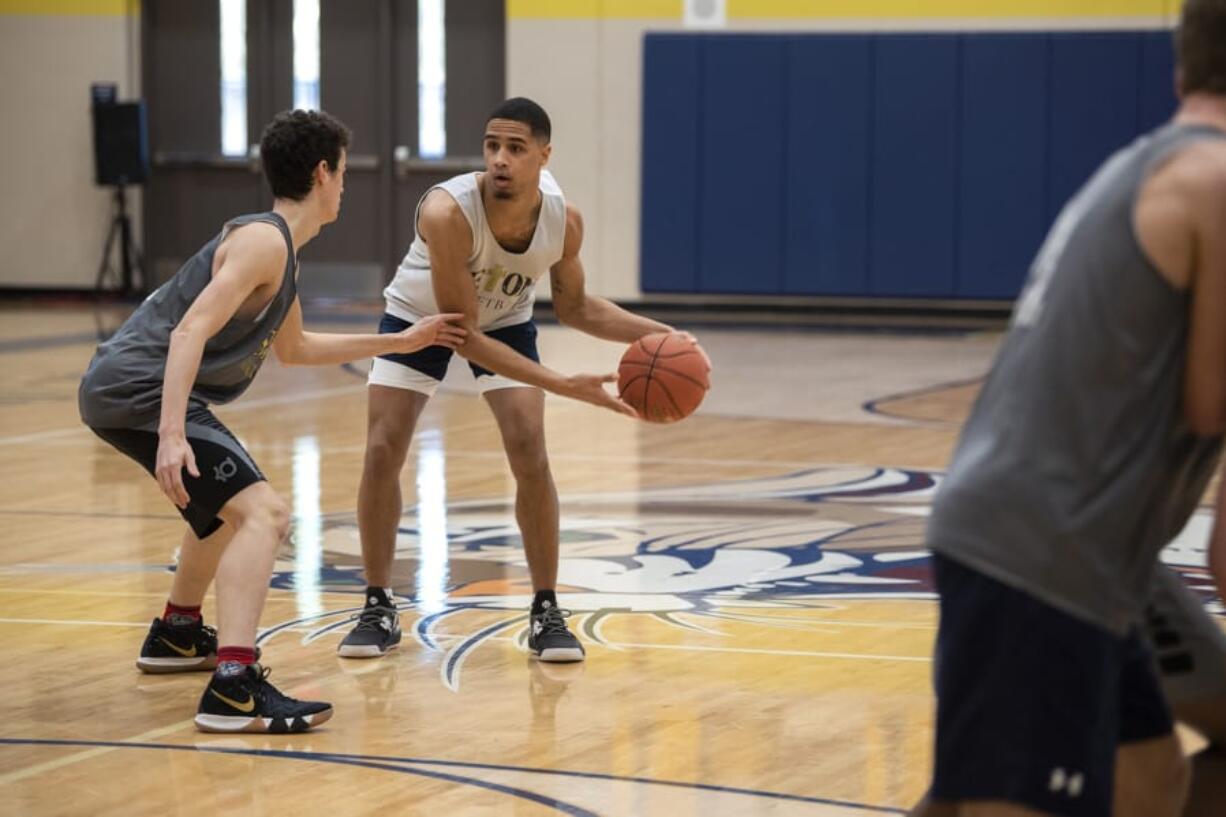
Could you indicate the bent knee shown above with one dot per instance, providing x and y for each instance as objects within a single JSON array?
[
  {"x": 385, "y": 451},
  {"x": 270, "y": 515},
  {"x": 528, "y": 462}
]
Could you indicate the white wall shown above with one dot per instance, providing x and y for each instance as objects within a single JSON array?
[
  {"x": 583, "y": 61},
  {"x": 53, "y": 220}
]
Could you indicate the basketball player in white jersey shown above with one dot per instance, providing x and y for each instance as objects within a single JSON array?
[{"x": 483, "y": 241}]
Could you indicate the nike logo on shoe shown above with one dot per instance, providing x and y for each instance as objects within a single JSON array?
[
  {"x": 247, "y": 706},
  {"x": 185, "y": 653}
]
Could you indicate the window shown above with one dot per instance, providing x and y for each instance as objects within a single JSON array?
[
  {"x": 306, "y": 54},
  {"x": 431, "y": 79},
  {"x": 233, "y": 77}
]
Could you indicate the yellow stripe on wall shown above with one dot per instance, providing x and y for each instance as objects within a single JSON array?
[
  {"x": 844, "y": 9},
  {"x": 589, "y": 9},
  {"x": 901, "y": 9},
  {"x": 70, "y": 8}
]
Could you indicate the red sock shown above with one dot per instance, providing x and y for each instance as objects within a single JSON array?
[
  {"x": 176, "y": 610},
  {"x": 239, "y": 655}
]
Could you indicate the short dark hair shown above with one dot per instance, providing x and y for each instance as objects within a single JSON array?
[
  {"x": 522, "y": 109},
  {"x": 294, "y": 143},
  {"x": 1201, "y": 47}
]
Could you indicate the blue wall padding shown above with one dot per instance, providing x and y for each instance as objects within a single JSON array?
[
  {"x": 918, "y": 165},
  {"x": 825, "y": 247},
  {"x": 743, "y": 157},
  {"x": 1002, "y": 212},
  {"x": 1095, "y": 102},
  {"x": 915, "y": 160},
  {"x": 673, "y": 190},
  {"x": 1157, "y": 78}
]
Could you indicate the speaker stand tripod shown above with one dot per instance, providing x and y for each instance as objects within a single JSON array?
[{"x": 131, "y": 278}]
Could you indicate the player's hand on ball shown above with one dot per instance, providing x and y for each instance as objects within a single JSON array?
[
  {"x": 694, "y": 341},
  {"x": 436, "y": 330},
  {"x": 590, "y": 389}
]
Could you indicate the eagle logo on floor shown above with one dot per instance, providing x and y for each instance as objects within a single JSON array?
[{"x": 690, "y": 557}]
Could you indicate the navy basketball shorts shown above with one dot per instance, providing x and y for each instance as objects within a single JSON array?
[
  {"x": 1033, "y": 703},
  {"x": 422, "y": 371},
  {"x": 225, "y": 466}
]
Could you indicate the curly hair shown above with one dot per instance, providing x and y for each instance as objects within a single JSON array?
[
  {"x": 1200, "y": 44},
  {"x": 294, "y": 143}
]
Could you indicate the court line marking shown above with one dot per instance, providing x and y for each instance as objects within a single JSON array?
[
  {"x": 35, "y": 591},
  {"x": 246, "y": 405},
  {"x": 500, "y": 625},
  {"x": 873, "y": 406},
  {"x": 403, "y": 764},
  {"x": 74, "y": 622},
  {"x": 101, "y": 749},
  {"x": 759, "y": 651}
]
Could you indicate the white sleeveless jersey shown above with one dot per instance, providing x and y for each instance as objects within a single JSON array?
[{"x": 506, "y": 281}]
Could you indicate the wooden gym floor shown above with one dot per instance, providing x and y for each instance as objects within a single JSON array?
[{"x": 750, "y": 584}]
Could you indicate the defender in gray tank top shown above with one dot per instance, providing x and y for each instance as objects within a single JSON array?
[
  {"x": 123, "y": 386},
  {"x": 1077, "y": 465},
  {"x": 1093, "y": 440},
  {"x": 200, "y": 339}
]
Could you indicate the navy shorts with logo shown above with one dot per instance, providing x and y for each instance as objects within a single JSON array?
[
  {"x": 225, "y": 466},
  {"x": 1033, "y": 703},
  {"x": 424, "y": 369}
]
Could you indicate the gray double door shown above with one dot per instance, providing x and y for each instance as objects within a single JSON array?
[{"x": 368, "y": 78}]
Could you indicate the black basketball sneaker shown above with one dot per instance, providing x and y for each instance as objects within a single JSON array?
[
  {"x": 240, "y": 699},
  {"x": 178, "y": 647},
  {"x": 549, "y": 639},
  {"x": 377, "y": 631}
]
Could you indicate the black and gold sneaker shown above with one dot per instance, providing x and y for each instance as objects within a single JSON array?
[
  {"x": 549, "y": 639},
  {"x": 178, "y": 647},
  {"x": 240, "y": 699}
]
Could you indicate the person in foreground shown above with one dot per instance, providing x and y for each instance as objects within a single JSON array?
[
  {"x": 200, "y": 339},
  {"x": 1093, "y": 440}
]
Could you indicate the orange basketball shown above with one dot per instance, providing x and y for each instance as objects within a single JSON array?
[{"x": 663, "y": 377}]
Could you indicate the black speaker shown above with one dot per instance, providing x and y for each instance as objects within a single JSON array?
[{"x": 121, "y": 143}]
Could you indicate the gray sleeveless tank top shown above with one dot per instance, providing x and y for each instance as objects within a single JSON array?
[
  {"x": 1076, "y": 466},
  {"x": 123, "y": 386}
]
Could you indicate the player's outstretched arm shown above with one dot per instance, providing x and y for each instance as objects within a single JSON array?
[
  {"x": 591, "y": 314},
  {"x": 296, "y": 347},
  {"x": 254, "y": 258},
  {"x": 446, "y": 232}
]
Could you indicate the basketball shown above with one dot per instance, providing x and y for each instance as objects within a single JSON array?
[{"x": 663, "y": 377}]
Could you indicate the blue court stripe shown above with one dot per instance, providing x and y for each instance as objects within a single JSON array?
[
  {"x": 383, "y": 762},
  {"x": 344, "y": 760},
  {"x": 874, "y": 406}
]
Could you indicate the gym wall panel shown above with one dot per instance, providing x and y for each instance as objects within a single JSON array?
[
  {"x": 829, "y": 102},
  {"x": 914, "y": 166},
  {"x": 53, "y": 219},
  {"x": 740, "y": 233},
  {"x": 894, "y": 165},
  {"x": 672, "y": 189},
  {"x": 1094, "y": 106},
  {"x": 1156, "y": 80},
  {"x": 1002, "y": 162}
]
